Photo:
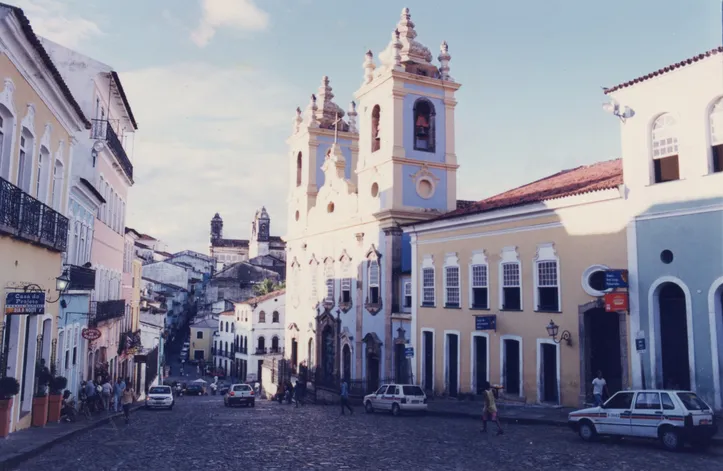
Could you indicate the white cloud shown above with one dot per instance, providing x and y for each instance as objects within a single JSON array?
[
  {"x": 238, "y": 14},
  {"x": 210, "y": 139},
  {"x": 51, "y": 19}
]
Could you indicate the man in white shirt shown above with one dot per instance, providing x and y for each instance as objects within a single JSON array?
[{"x": 599, "y": 385}]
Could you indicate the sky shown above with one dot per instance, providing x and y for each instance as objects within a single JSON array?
[{"x": 214, "y": 84}]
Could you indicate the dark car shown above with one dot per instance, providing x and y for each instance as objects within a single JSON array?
[{"x": 195, "y": 389}]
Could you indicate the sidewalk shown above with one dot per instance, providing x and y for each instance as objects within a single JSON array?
[
  {"x": 528, "y": 414},
  {"x": 21, "y": 446}
]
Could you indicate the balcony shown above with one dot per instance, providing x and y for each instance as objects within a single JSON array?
[
  {"x": 106, "y": 310},
  {"x": 103, "y": 131},
  {"x": 81, "y": 278},
  {"x": 261, "y": 351},
  {"x": 26, "y": 218}
]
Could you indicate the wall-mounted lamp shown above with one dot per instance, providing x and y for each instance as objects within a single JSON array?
[
  {"x": 61, "y": 285},
  {"x": 552, "y": 331}
]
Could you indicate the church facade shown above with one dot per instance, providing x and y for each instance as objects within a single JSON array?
[{"x": 356, "y": 178}]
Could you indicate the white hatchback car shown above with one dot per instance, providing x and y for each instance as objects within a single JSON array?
[
  {"x": 673, "y": 417},
  {"x": 396, "y": 398},
  {"x": 159, "y": 397}
]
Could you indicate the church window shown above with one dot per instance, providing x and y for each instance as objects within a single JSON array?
[
  {"x": 374, "y": 282},
  {"x": 262, "y": 317},
  {"x": 275, "y": 317},
  {"x": 376, "y": 138},
  {"x": 298, "y": 169},
  {"x": 424, "y": 132},
  {"x": 313, "y": 267},
  {"x": 665, "y": 149},
  {"x": 329, "y": 281},
  {"x": 330, "y": 208},
  {"x": 375, "y": 189},
  {"x": 345, "y": 302},
  {"x": 296, "y": 216}
]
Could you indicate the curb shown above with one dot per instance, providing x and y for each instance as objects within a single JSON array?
[
  {"x": 717, "y": 441},
  {"x": 15, "y": 460}
]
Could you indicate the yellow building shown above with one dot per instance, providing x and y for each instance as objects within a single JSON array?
[
  {"x": 38, "y": 117},
  {"x": 489, "y": 277},
  {"x": 202, "y": 338}
]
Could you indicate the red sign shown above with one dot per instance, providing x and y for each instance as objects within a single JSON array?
[
  {"x": 616, "y": 302},
  {"x": 90, "y": 334}
]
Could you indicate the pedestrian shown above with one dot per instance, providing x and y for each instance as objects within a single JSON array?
[
  {"x": 91, "y": 394},
  {"x": 599, "y": 386},
  {"x": 344, "y": 396},
  {"x": 117, "y": 391},
  {"x": 129, "y": 395},
  {"x": 490, "y": 409},
  {"x": 106, "y": 390},
  {"x": 297, "y": 393}
]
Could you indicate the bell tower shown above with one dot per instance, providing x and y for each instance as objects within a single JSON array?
[
  {"x": 216, "y": 228},
  {"x": 312, "y": 135},
  {"x": 260, "y": 227},
  {"x": 407, "y": 162}
]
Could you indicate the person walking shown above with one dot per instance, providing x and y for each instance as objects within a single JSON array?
[
  {"x": 344, "y": 396},
  {"x": 297, "y": 393},
  {"x": 117, "y": 391},
  {"x": 490, "y": 409},
  {"x": 599, "y": 386},
  {"x": 106, "y": 390},
  {"x": 129, "y": 395}
]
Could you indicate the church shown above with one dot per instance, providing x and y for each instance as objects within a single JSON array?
[{"x": 356, "y": 178}]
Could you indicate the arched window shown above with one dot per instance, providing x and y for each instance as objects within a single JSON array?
[
  {"x": 275, "y": 317},
  {"x": 275, "y": 344},
  {"x": 665, "y": 149},
  {"x": 298, "y": 169},
  {"x": 329, "y": 282},
  {"x": 226, "y": 326},
  {"x": 376, "y": 138},
  {"x": 424, "y": 130},
  {"x": 41, "y": 183},
  {"x": 6, "y": 137},
  {"x": 373, "y": 282},
  {"x": 233, "y": 328},
  {"x": 262, "y": 317},
  {"x": 56, "y": 188},
  {"x": 25, "y": 160},
  {"x": 262, "y": 345},
  {"x": 716, "y": 135},
  {"x": 226, "y": 348}
]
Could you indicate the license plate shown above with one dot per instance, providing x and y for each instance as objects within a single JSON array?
[
  {"x": 415, "y": 402},
  {"x": 704, "y": 422}
]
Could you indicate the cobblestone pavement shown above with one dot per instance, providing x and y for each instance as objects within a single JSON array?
[{"x": 199, "y": 432}]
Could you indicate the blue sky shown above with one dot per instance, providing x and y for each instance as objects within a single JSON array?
[{"x": 214, "y": 85}]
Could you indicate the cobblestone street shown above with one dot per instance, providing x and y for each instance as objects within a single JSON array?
[{"x": 200, "y": 432}]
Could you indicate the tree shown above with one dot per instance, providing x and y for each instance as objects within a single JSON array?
[{"x": 267, "y": 286}]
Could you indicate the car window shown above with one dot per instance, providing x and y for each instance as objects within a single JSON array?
[
  {"x": 381, "y": 390},
  {"x": 241, "y": 387},
  {"x": 159, "y": 390},
  {"x": 394, "y": 390},
  {"x": 621, "y": 400},
  {"x": 692, "y": 402},
  {"x": 412, "y": 391},
  {"x": 648, "y": 401},
  {"x": 667, "y": 401}
]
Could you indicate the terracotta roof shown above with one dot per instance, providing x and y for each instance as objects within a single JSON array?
[
  {"x": 227, "y": 313},
  {"x": 576, "y": 181},
  {"x": 665, "y": 70},
  {"x": 464, "y": 203},
  {"x": 265, "y": 297},
  {"x": 47, "y": 61}
]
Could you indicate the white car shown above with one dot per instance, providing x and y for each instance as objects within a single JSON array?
[
  {"x": 396, "y": 398},
  {"x": 159, "y": 397},
  {"x": 673, "y": 417},
  {"x": 240, "y": 394}
]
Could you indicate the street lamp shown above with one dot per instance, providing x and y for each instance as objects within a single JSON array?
[
  {"x": 61, "y": 285},
  {"x": 553, "y": 329}
]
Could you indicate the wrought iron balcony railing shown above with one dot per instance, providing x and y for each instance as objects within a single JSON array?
[
  {"x": 102, "y": 130},
  {"x": 26, "y": 218},
  {"x": 105, "y": 310},
  {"x": 261, "y": 351},
  {"x": 81, "y": 278}
]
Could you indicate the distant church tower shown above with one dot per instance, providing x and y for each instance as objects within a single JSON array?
[
  {"x": 260, "y": 227},
  {"x": 216, "y": 228}
]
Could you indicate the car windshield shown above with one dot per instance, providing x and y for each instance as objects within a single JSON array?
[
  {"x": 692, "y": 401},
  {"x": 412, "y": 391},
  {"x": 159, "y": 390},
  {"x": 242, "y": 387}
]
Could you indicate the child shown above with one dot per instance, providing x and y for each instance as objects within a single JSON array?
[{"x": 490, "y": 409}]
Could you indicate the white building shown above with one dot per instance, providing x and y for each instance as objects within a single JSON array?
[
  {"x": 391, "y": 162},
  {"x": 223, "y": 342}
]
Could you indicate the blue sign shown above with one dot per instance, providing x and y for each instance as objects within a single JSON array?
[
  {"x": 25, "y": 303},
  {"x": 640, "y": 345},
  {"x": 485, "y": 322},
  {"x": 616, "y": 279},
  {"x": 409, "y": 352}
]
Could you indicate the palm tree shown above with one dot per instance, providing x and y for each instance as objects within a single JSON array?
[{"x": 267, "y": 286}]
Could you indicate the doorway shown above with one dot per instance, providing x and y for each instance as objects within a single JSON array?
[
  {"x": 602, "y": 332},
  {"x": 452, "y": 365},
  {"x": 372, "y": 373},
  {"x": 294, "y": 351},
  {"x": 327, "y": 352},
  {"x": 480, "y": 363},
  {"x": 428, "y": 360},
  {"x": 511, "y": 357},
  {"x": 346, "y": 360},
  {"x": 674, "y": 337},
  {"x": 547, "y": 372}
]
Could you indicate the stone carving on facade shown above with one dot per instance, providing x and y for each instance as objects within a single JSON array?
[
  {"x": 352, "y": 113},
  {"x": 298, "y": 120},
  {"x": 310, "y": 114},
  {"x": 444, "y": 59},
  {"x": 424, "y": 174},
  {"x": 29, "y": 120},
  {"x": 373, "y": 344},
  {"x": 369, "y": 67},
  {"x": 328, "y": 112}
]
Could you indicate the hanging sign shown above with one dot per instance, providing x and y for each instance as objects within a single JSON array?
[
  {"x": 640, "y": 344},
  {"x": 616, "y": 302},
  {"x": 32, "y": 303},
  {"x": 408, "y": 351},
  {"x": 616, "y": 279},
  {"x": 485, "y": 322},
  {"x": 90, "y": 334}
]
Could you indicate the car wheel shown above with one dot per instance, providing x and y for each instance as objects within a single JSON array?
[
  {"x": 671, "y": 439},
  {"x": 587, "y": 431},
  {"x": 368, "y": 407},
  {"x": 396, "y": 410}
]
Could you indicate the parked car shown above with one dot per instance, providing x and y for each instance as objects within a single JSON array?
[
  {"x": 160, "y": 397},
  {"x": 396, "y": 398},
  {"x": 195, "y": 389},
  {"x": 240, "y": 394},
  {"x": 673, "y": 417}
]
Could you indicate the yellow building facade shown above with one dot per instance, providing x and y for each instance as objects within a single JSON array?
[
  {"x": 488, "y": 279},
  {"x": 38, "y": 118},
  {"x": 202, "y": 331}
]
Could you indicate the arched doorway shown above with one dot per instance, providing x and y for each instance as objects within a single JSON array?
[
  {"x": 673, "y": 318},
  {"x": 346, "y": 362},
  {"x": 327, "y": 352},
  {"x": 294, "y": 353},
  {"x": 310, "y": 354}
]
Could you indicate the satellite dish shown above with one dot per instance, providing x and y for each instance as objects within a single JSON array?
[{"x": 627, "y": 113}]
